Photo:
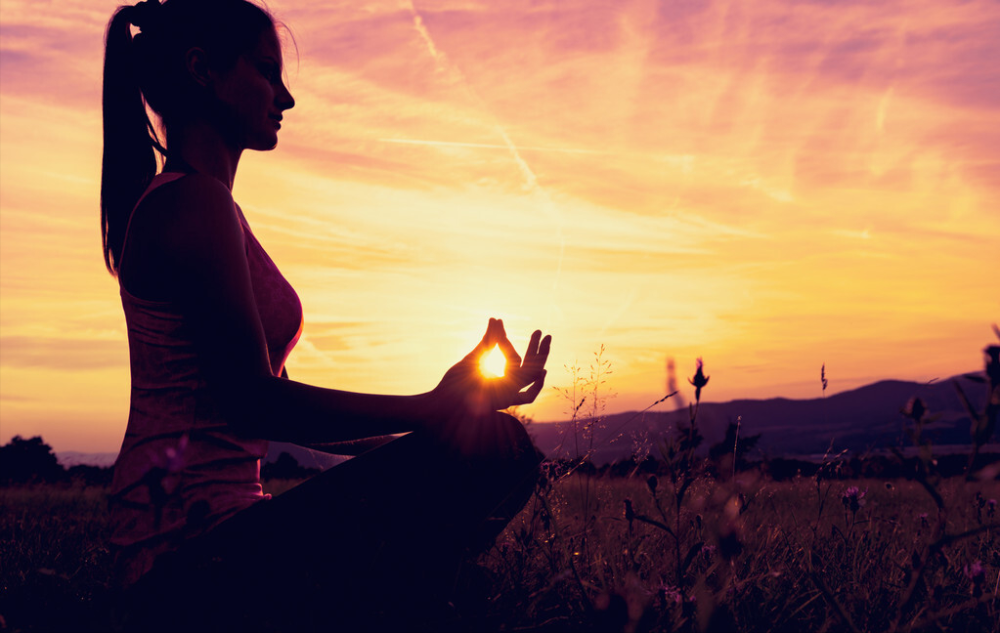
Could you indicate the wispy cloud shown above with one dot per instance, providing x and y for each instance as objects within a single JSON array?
[{"x": 764, "y": 183}]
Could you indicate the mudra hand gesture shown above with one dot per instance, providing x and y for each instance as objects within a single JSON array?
[{"x": 465, "y": 391}]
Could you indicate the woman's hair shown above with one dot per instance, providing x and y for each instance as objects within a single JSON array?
[{"x": 150, "y": 68}]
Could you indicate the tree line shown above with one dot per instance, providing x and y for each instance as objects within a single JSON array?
[{"x": 32, "y": 461}]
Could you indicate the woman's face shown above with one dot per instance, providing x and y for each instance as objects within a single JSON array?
[{"x": 253, "y": 96}]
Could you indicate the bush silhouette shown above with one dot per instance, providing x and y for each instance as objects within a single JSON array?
[{"x": 29, "y": 461}]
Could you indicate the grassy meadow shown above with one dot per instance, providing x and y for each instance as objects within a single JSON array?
[
  {"x": 678, "y": 539},
  {"x": 648, "y": 552}
]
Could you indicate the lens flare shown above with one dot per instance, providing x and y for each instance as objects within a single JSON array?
[{"x": 492, "y": 363}]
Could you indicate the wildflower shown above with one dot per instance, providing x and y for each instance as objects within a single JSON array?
[
  {"x": 853, "y": 499},
  {"x": 991, "y": 508},
  {"x": 923, "y": 520},
  {"x": 629, "y": 513},
  {"x": 975, "y": 573},
  {"x": 915, "y": 409},
  {"x": 670, "y": 594},
  {"x": 699, "y": 380},
  {"x": 543, "y": 479},
  {"x": 652, "y": 483},
  {"x": 688, "y": 606}
]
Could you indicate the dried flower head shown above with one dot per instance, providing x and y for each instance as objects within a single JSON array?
[
  {"x": 629, "y": 512},
  {"x": 670, "y": 594},
  {"x": 699, "y": 380},
  {"x": 853, "y": 498},
  {"x": 974, "y": 570},
  {"x": 915, "y": 409}
]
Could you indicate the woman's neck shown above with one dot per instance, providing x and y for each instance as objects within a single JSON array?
[{"x": 198, "y": 147}]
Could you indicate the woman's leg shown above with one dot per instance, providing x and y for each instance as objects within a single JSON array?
[{"x": 371, "y": 543}]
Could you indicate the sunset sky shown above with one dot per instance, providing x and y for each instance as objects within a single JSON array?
[{"x": 770, "y": 186}]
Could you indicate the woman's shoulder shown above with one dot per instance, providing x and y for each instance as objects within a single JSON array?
[
  {"x": 188, "y": 204},
  {"x": 195, "y": 191},
  {"x": 180, "y": 222}
]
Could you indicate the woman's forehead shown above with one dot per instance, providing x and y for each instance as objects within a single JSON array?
[{"x": 268, "y": 45}]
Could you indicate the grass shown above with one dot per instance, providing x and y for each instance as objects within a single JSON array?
[
  {"x": 779, "y": 565},
  {"x": 756, "y": 555},
  {"x": 683, "y": 543}
]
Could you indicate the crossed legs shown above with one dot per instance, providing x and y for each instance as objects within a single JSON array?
[{"x": 374, "y": 543}]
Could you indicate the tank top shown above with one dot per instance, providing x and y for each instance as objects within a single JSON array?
[{"x": 183, "y": 468}]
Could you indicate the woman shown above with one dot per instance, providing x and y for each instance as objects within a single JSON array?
[{"x": 210, "y": 324}]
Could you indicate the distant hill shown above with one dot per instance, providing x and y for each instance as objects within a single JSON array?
[
  {"x": 861, "y": 420},
  {"x": 68, "y": 459}
]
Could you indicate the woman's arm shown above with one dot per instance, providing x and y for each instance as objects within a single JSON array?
[
  {"x": 202, "y": 240},
  {"x": 347, "y": 447}
]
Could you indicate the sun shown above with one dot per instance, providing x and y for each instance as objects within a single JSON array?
[{"x": 492, "y": 363}]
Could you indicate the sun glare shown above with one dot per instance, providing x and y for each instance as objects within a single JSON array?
[{"x": 492, "y": 363}]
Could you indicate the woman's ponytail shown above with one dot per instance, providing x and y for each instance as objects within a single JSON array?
[
  {"x": 149, "y": 69},
  {"x": 129, "y": 161}
]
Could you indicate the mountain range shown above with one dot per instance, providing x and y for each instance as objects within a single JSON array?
[{"x": 863, "y": 420}]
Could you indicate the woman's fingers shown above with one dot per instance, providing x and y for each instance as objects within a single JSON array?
[
  {"x": 528, "y": 395},
  {"x": 543, "y": 351},
  {"x": 537, "y": 355},
  {"x": 532, "y": 352},
  {"x": 534, "y": 361},
  {"x": 513, "y": 358},
  {"x": 527, "y": 374},
  {"x": 484, "y": 345}
]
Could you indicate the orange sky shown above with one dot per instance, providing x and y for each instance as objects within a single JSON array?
[{"x": 768, "y": 185}]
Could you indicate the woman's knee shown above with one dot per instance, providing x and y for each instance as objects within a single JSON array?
[{"x": 502, "y": 437}]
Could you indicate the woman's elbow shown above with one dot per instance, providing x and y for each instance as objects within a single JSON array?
[{"x": 249, "y": 405}]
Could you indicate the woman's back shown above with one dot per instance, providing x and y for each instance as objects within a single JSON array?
[{"x": 182, "y": 467}]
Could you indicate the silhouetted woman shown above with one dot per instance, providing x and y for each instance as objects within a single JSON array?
[{"x": 372, "y": 543}]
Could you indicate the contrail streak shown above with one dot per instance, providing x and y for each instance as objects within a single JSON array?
[
  {"x": 566, "y": 150},
  {"x": 418, "y": 23},
  {"x": 531, "y": 181}
]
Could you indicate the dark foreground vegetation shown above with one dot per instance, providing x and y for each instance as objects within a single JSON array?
[
  {"x": 682, "y": 538},
  {"x": 607, "y": 553}
]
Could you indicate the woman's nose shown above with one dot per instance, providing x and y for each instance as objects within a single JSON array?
[{"x": 284, "y": 99}]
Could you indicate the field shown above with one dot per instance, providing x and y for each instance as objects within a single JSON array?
[{"x": 683, "y": 549}]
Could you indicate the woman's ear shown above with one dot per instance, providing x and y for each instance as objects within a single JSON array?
[{"x": 196, "y": 64}]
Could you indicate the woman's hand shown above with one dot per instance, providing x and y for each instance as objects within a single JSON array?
[{"x": 465, "y": 391}]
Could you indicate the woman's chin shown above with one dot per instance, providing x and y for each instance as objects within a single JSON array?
[{"x": 265, "y": 144}]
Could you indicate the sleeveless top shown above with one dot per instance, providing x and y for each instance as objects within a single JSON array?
[{"x": 183, "y": 468}]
